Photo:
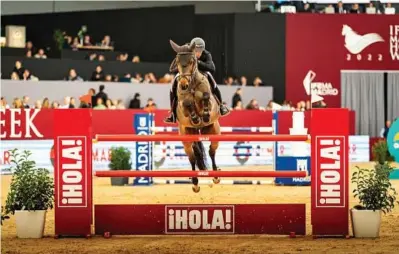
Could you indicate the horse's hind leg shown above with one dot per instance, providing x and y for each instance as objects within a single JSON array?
[
  {"x": 206, "y": 116},
  {"x": 212, "y": 153}
]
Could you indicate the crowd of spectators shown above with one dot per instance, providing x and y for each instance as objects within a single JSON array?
[
  {"x": 373, "y": 7},
  {"x": 91, "y": 99}
]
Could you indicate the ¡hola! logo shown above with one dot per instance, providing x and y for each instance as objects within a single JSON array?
[
  {"x": 330, "y": 159},
  {"x": 72, "y": 171},
  {"x": 393, "y": 140},
  {"x": 199, "y": 219}
]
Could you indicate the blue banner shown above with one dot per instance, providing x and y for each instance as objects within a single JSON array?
[
  {"x": 142, "y": 126},
  {"x": 290, "y": 164}
]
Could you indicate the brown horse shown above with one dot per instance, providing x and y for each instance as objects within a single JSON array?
[{"x": 197, "y": 110}]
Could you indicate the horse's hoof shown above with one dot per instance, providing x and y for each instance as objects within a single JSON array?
[
  {"x": 206, "y": 118},
  {"x": 196, "y": 189},
  {"x": 216, "y": 180}
]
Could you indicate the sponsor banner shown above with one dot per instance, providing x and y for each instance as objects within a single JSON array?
[
  {"x": 38, "y": 124},
  {"x": 200, "y": 219},
  {"x": 143, "y": 154},
  {"x": 170, "y": 155},
  {"x": 327, "y": 44},
  {"x": 293, "y": 163}
]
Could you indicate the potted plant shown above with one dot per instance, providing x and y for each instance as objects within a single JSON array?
[
  {"x": 376, "y": 194},
  {"x": 120, "y": 160},
  {"x": 31, "y": 194},
  {"x": 380, "y": 152}
]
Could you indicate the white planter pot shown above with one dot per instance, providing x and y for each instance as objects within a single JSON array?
[
  {"x": 30, "y": 224},
  {"x": 366, "y": 223}
]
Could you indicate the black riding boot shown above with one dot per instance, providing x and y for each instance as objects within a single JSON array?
[
  {"x": 173, "y": 105},
  {"x": 223, "y": 109}
]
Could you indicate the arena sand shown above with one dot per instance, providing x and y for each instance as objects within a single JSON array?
[{"x": 181, "y": 194}]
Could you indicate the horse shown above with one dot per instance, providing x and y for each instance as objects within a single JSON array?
[{"x": 197, "y": 109}]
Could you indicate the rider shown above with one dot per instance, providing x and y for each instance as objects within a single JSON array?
[{"x": 206, "y": 66}]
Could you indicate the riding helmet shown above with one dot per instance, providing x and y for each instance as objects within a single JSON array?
[{"x": 199, "y": 43}]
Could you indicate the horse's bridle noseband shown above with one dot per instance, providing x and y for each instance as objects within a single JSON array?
[{"x": 191, "y": 75}]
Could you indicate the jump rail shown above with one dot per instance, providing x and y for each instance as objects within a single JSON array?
[
  {"x": 188, "y": 138},
  {"x": 124, "y": 173}
]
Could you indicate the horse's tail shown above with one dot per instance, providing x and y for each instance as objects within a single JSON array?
[{"x": 200, "y": 155}]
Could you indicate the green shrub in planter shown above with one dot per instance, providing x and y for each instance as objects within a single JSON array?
[
  {"x": 381, "y": 153},
  {"x": 376, "y": 194},
  {"x": 31, "y": 194},
  {"x": 120, "y": 160}
]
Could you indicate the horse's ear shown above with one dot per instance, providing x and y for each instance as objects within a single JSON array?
[
  {"x": 192, "y": 46},
  {"x": 174, "y": 46}
]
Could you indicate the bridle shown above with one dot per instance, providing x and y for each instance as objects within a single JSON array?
[{"x": 186, "y": 75}]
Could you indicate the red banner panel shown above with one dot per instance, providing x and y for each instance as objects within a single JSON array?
[
  {"x": 200, "y": 219},
  {"x": 330, "y": 171},
  {"x": 318, "y": 47},
  {"x": 73, "y": 172}
]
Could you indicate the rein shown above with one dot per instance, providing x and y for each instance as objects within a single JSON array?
[{"x": 191, "y": 75}]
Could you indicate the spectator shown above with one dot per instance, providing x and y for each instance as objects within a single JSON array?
[
  {"x": 86, "y": 41},
  {"x": 136, "y": 59},
  {"x": 19, "y": 69},
  {"x": 257, "y": 82},
  {"x": 29, "y": 46},
  {"x": 28, "y": 54},
  {"x": 243, "y": 81},
  {"x": 152, "y": 78},
  {"x": 340, "y": 8},
  {"x": 319, "y": 104},
  {"x": 101, "y": 58},
  {"x": 307, "y": 8},
  {"x": 101, "y": 94},
  {"x": 137, "y": 78},
  {"x": 98, "y": 74},
  {"x": 106, "y": 42},
  {"x": 285, "y": 105},
  {"x": 115, "y": 78},
  {"x": 236, "y": 97},
  {"x": 14, "y": 76},
  {"x": 4, "y": 103},
  {"x": 46, "y": 103},
  {"x": 92, "y": 57},
  {"x": 38, "y": 104},
  {"x": 308, "y": 105},
  {"x": 25, "y": 101},
  {"x": 388, "y": 9},
  {"x": 17, "y": 103},
  {"x": 253, "y": 105},
  {"x": 100, "y": 104},
  {"x": 135, "y": 103},
  {"x": 151, "y": 106},
  {"x": 146, "y": 79},
  {"x": 40, "y": 54},
  {"x": 120, "y": 104},
  {"x": 355, "y": 8},
  {"x": 68, "y": 42},
  {"x": 55, "y": 105},
  {"x": 384, "y": 131},
  {"x": 75, "y": 44},
  {"x": 301, "y": 106},
  {"x": 67, "y": 102},
  {"x": 126, "y": 78},
  {"x": 109, "y": 104},
  {"x": 108, "y": 78},
  {"x": 238, "y": 106},
  {"x": 122, "y": 57},
  {"x": 228, "y": 81},
  {"x": 73, "y": 76},
  {"x": 166, "y": 79},
  {"x": 28, "y": 76},
  {"x": 269, "y": 105},
  {"x": 72, "y": 103}
]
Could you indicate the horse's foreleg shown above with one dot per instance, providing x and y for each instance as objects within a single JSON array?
[
  {"x": 189, "y": 105},
  {"x": 206, "y": 116},
  {"x": 212, "y": 153},
  {"x": 190, "y": 153}
]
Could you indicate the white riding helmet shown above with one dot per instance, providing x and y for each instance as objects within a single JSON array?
[{"x": 199, "y": 43}]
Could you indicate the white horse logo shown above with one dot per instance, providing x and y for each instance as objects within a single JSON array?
[{"x": 356, "y": 43}]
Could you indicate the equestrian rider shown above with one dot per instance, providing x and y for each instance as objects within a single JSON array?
[{"x": 207, "y": 67}]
